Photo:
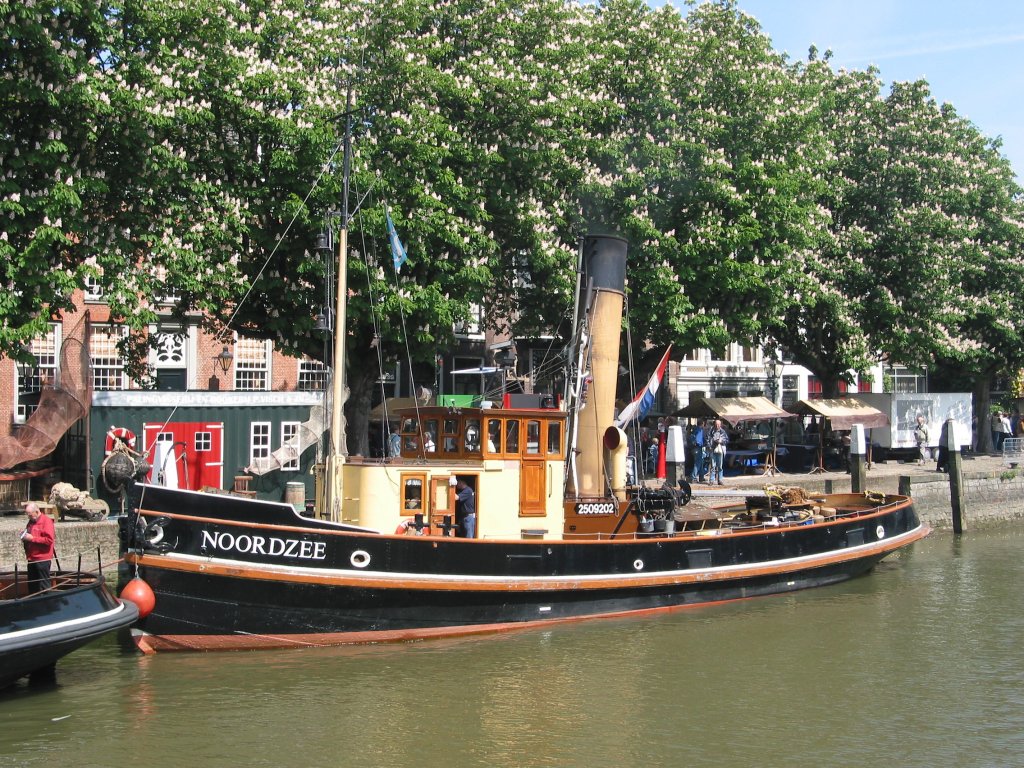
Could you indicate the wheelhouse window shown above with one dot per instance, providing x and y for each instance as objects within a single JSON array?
[
  {"x": 554, "y": 439},
  {"x": 494, "y": 442},
  {"x": 473, "y": 435},
  {"x": 450, "y": 444},
  {"x": 533, "y": 437},
  {"x": 512, "y": 436},
  {"x": 430, "y": 435}
]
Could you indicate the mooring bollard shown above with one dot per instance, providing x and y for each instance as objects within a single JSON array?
[
  {"x": 954, "y": 466},
  {"x": 858, "y": 460}
]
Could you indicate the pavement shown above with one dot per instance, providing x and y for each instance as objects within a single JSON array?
[{"x": 882, "y": 475}]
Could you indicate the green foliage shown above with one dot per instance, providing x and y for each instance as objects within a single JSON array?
[{"x": 165, "y": 147}]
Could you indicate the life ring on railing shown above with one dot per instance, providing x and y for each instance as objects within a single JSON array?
[
  {"x": 405, "y": 525},
  {"x": 117, "y": 437}
]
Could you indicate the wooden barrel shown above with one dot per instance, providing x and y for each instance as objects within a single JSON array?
[{"x": 295, "y": 494}]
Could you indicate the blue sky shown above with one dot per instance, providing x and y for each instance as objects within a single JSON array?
[{"x": 971, "y": 53}]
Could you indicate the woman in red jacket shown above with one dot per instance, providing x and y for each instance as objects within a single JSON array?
[{"x": 38, "y": 539}]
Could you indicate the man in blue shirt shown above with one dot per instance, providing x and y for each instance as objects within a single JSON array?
[
  {"x": 697, "y": 447},
  {"x": 465, "y": 509}
]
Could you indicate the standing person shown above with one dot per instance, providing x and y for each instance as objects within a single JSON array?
[
  {"x": 996, "y": 422},
  {"x": 921, "y": 438},
  {"x": 718, "y": 439},
  {"x": 652, "y": 457},
  {"x": 697, "y": 435},
  {"x": 645, "y": 452},
  {"x": 38, "y": 538},
  {"x": 465, "y": 509},
  {"x": 394, "y": 444},
  {"x": 1004, "y": 425}
]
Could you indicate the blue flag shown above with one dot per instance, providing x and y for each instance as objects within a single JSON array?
[{"x": 398, "y": 254}]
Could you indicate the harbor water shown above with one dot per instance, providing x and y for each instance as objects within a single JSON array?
[{"x": 920, "y": 663}]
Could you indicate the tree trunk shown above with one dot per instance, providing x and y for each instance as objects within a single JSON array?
[
  {"x": 361, "y": 381},
  {"x": 982, "y": 413},
  {"x": 829, "y": 386}
]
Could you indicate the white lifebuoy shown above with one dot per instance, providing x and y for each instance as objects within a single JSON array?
[{"x": 117, "y": 436}]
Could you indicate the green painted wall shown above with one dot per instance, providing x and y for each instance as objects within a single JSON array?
[{"x": 235, "y": 410}]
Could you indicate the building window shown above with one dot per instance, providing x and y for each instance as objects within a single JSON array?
[
  {"x": 93, "y": 289},
  {"x": 470, "y": 327},
  {"x": 203, "y": 442},
  {"x": 252, "y": 365},
  {"x": 691, "y": 354},
  {"x": 905, "y": 381},
  {"x": 259, "y": 441},
  {"x": 720, "y": 354},
  {"x": 790, "y": 390},
  {"x": 748, "y": 355},
  {"x": 289, "y": 430},
  {"x": 312, "y": 376},
  {"x": 466, "y": 383},
  {"x": 106, "y": 363},
  {"x": 169, "y": 295},
  {"x": 32, "y": 378}
]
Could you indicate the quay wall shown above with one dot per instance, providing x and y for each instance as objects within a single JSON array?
[
  {"x": 990, "y": 496},
  {"x": 73, "y": 538}
]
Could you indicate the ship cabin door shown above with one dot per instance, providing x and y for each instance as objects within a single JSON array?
[
  {"x": 533, "y": 474},
  {"x": 442, "y": 497}
]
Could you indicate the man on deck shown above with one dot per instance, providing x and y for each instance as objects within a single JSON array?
[{"x": 38, "y": 538}]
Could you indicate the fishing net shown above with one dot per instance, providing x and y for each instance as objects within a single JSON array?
[{"x": 61, "y": 403}]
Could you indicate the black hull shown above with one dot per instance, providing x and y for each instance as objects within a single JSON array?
[
  {"x": 214, "y": 591},
  {"x": 245, "y": 614},
  {"x": 38, "y": 631}
]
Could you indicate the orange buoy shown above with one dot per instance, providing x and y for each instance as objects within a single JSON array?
[{"x": 140, "y": 593}]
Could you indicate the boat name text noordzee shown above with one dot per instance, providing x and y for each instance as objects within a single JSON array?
[{"x": 269, "y": 545}]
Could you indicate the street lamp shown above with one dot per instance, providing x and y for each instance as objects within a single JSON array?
[
  {"x": 771, "y": 367},
  {"x": 224, "y": 359}
]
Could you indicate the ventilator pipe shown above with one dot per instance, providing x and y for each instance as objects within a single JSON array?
[{"x": 615, "y": 442}]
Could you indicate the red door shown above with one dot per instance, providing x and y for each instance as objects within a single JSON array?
[{"x": 185, "y": 454}]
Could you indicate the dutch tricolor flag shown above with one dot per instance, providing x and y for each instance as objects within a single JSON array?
[{"x": 644, "y": 399}]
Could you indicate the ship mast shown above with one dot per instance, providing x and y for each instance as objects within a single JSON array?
[{"x": 338, "y": 449}]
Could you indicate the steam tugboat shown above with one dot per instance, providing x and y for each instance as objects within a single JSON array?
[{"x": 560, "y": 535}]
